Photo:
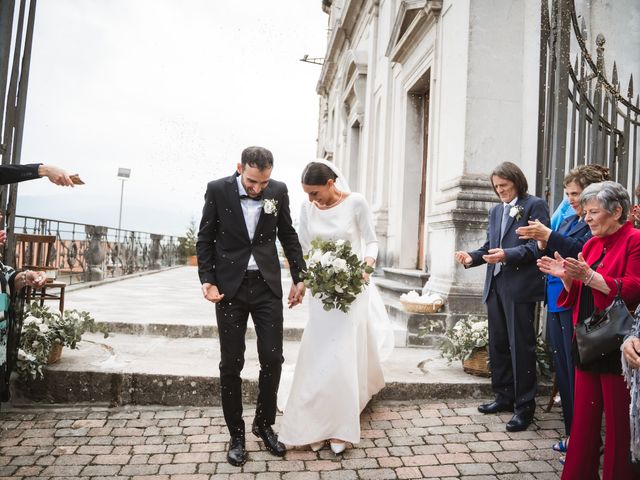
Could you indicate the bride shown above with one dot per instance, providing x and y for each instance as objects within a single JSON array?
[{"x": 338, "y": 368}]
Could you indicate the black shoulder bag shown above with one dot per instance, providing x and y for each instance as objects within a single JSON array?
[{"x": 603, "y": 332}]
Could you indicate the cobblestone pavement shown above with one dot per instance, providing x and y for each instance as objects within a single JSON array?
[{"x": 420, "y": 439}]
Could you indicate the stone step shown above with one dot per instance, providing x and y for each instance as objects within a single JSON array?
[
  {"x": 290, "y": 333},
  {"x": 413, "y": 278},
  {"x": 122, "y": 369},
  {"x": 390, "y": 290}
]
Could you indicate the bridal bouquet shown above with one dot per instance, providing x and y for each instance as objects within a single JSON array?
[{"x": 334, "y": 273}]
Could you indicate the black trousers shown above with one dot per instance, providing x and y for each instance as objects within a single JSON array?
[
  {"x": 512, "y": 347},
  {"x": 256, "y": 298}
]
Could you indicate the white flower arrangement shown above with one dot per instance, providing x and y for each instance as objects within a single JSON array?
[
  {"x": 426, "y": 298},
  {"x": 270, "y": 206},
  {"x": 334, "y": 273},
  {"x": 516, "y": 211}
]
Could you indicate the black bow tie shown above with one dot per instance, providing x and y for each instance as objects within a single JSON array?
[{"x": 258, "y": 198}]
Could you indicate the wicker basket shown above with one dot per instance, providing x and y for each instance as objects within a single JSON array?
[
  {"x": 422, "y": 307},
  {"x": 54, "y": 354},
  {"x": 477, "y": 363}
]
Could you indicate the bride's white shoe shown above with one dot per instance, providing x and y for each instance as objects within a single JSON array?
[
  {"x": 317, "y": 446},
  {"x": 338, "y": 447}
]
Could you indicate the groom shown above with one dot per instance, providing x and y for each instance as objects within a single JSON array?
[{"x": 240, "y": 272}]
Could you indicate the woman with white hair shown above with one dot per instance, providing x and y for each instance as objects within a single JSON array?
[{"x": 590, "y": 284}]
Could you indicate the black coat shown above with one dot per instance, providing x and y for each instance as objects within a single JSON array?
[
  {"x": 18, "y": 173},
  {"x": 224, "y": 246}
]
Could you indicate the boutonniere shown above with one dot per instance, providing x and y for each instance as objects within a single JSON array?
[
  {"x": 270, "y": 206},
  {"x": 516, "y": 211}
]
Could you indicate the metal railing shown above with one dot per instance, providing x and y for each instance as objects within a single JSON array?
[
  {"x": 84, "y": 252},
  {"x": 585, "y": 116}
]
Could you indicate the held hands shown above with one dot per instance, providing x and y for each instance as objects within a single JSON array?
[
  {"x": 211, "y": 293},
  {"x": 630, "y": 349},
  {"x": 296, "y": 294},
  {"x": 463, "y": 258}
]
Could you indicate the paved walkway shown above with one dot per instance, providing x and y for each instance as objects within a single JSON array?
[{"x": 403, "y": 440}]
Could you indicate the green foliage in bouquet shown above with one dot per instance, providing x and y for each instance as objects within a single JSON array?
[
  {"x": 334, "y": 273},
  {"x": 43, "y": 328}
]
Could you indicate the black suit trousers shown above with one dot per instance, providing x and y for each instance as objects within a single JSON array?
[
  {"x": 256, "y": 298},
  {"x": 512, "y": 347}
]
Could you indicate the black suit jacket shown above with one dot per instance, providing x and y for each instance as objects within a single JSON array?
[
  {"x": 224, "y": 246},
  {"x": 523, "y": 280}
]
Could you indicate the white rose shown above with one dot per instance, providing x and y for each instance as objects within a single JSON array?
[
  {"x": 43, "y": 328},
  {"x": 327, "y": 259},
  {"x": 340, "y": 265}
]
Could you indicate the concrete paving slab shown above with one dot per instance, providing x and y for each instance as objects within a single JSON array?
[{"x": 168, "y": 297}]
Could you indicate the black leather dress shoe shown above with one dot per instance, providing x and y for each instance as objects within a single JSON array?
[
  {"x": 495, "y": 407},
  {"x": 520, "y": 421},
  {"x": 237, "y": 455},
  {"x": 270, "y": 439}
]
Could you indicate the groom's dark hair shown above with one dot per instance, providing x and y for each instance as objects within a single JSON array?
[
  {"x": 258, "y": 157},
  {"x": 316, "y": 173}
]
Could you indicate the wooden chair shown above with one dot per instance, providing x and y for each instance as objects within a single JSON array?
[{"x": 34, "y": 253}]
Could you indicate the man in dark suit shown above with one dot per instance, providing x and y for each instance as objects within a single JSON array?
[
  {"x": 240, "y": 272},
  {"x": 512, "y": 287}
]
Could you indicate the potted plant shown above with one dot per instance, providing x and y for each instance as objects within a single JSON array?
[
  {"x": 468, "y": 340},
  {"x": 45, "y": 332}
]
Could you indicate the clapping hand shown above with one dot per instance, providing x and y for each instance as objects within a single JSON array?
[
  {"x": 463, "y": 258},
  {"x": 536, "y": 230},
  {"x": 577, "y": 268},
  {"x": 496, "y": 255},
  {"x": 552, "y": 266}
]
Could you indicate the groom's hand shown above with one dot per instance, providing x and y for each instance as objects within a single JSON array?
[
  {"x": 296, "y": 294},
  {"x": 211, "y": 293}
]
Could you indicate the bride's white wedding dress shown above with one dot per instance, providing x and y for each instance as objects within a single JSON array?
[{"x": 338, "y": 368}]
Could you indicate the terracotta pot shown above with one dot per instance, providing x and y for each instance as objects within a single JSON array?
[
  {"x": 193, "y": 261},
  {"x": 478, "y": 363},
  {"x": 54, "y": 354}
]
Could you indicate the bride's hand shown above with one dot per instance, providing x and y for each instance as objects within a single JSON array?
[{"x": 296, "y": 294}]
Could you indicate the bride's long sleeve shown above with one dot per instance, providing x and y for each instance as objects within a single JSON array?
[
  {"x": 367, "y": 230},
  {"x": 303, "y": 229}
]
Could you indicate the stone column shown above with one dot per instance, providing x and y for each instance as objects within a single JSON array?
[
  {"x": 155, "y": 263},
  {"x": 95, "y": 253}
]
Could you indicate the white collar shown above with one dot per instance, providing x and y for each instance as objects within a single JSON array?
[
  {"x": 241, "y": 189},
  {"x": 511, "y": 203}
]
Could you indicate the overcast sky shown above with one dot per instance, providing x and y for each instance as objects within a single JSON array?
[{"x": 172, "y": 90}]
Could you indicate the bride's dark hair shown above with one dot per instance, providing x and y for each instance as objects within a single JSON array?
[{"x": 316, "y": 173}]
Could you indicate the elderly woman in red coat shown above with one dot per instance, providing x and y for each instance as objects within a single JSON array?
[{"x": 590, "y": 284}]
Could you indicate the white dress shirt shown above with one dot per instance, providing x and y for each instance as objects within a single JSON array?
[{"x": 251, "y": 210}]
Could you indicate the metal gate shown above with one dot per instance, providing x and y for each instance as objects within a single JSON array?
[{"x": 585, "y": 116}]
